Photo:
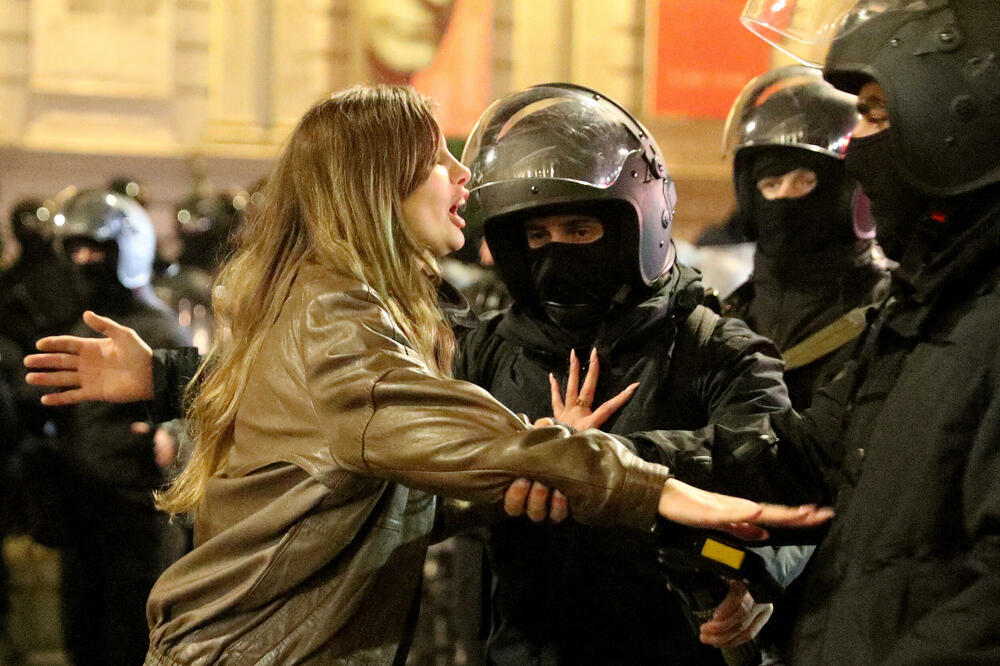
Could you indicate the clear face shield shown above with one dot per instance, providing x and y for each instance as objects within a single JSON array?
[
  {"x": 804, "y": 29},
  {"x": 550, "y": 133}
]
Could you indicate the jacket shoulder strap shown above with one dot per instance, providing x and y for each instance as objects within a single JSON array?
[
  {"x": 827, "y": 339},
  {"x": 700, "y": 324},
  {"x": 690, "y": 341}
]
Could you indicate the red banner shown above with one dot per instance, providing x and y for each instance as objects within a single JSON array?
[{"x": 701, "y": 56}]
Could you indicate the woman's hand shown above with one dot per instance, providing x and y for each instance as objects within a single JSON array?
[
  {"x": 736, "y": 620},
  {"x": 575, "y": 409},
  {"x": 115, "y": 368},
  {"x": 740, "y": 517}
]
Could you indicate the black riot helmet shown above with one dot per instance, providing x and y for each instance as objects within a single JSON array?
[
  {"x": 105, "y": 217},
  {"x": 792, "y": 107},
  {"x": 128, "y": 186},
  {"x": 557, "y": 147},
  {"x": 792, "y": 118},
  {"x": 204, "y": 225},
  {"x": 936, "y": 60}
]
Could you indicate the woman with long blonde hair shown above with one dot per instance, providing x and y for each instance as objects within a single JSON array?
[
  {"x": 333, "y": 201},
  {"x": 326, "y": 422}
]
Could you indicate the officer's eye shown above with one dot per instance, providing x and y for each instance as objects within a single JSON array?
[
  {"x": 586, "y": 232},
  {"x": 873, "y": 112}
]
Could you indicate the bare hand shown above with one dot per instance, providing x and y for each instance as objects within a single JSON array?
[
  {"x": 740, "y": 517},
  {"x": 524, "y": 497},
  {"x": 575, "y": 409},
  {"x": 116, "y": 368},
  {"x": 736, "y": 620},
  {"x": 164, "y": 445}
]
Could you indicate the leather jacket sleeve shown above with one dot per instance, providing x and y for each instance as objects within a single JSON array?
[{"x": 389, "y": 417}]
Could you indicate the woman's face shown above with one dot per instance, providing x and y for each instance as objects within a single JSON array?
[{"x": 431, "y": 210}]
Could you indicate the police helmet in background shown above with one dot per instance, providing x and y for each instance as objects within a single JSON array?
[
  {"x": 130, "y": 187},
  {"x": 936, "y": 60},
  {"x": 790, "y": 118},
  {"x": 204, "y": 225},
  {"x": 31, "y": 224},
  {"x": 790, "y": 106},
  {"x": 107, "y": 218},
  {"x": 557, "y": 148}
]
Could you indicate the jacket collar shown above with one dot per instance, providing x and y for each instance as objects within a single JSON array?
[
  {"x": 947, "y": 262},
  {"x": 640, "y": 315}
]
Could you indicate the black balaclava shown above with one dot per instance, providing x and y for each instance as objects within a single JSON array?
[
  {"x": 896, "y": 206},
  {"x": 811, "y": 223},
  {"x": 575, "y": 284},
  {"x": 97, "y": 284}
]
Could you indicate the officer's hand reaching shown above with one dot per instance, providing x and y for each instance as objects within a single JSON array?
[
  {"x": 534, "y": 500},
  {"x": 679, "y": 502},
  {"x": 736, "y": 620},
  {"x": 115, "y": 368}
]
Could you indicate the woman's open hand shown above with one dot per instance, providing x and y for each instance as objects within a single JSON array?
[
  {"x": 115, "y": 368},
  {"x": 740, "y": 517},
  {"x": 575, "y": 409}
]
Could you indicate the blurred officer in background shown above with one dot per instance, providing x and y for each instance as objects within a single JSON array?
[
  {"x": 34, "y": 298},
  {"x": 907, "y": 436},
  {"x": 115, "y": 542},
  {"x": 816, "y": 265},
  {"x": 577, "y": 208},
  {"x": 205, "y": 222},
  {"x": 10, "y": 435}
]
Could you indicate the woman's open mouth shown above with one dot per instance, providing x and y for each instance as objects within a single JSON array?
[{"x": 456, "y": 219}]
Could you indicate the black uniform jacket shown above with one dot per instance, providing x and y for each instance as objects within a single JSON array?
[
  {"x": 908, "y": 439},
  {"x": 572, "y": 594},
  {"x": 790, "y": 298},
  {"x": 100, "y": 445}
]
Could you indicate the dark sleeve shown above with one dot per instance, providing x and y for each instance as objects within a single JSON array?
[
  {"x": 740, "y": 374},
  {"x": 725, "y": 383},
  {"x": 172, "y": 372},
  {"x": 755, "y": 445}
]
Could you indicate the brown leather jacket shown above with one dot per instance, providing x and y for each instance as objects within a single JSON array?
[{"x": 311, "y": 539}]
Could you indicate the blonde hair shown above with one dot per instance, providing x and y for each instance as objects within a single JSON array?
[{"x": 334, "y": 198}]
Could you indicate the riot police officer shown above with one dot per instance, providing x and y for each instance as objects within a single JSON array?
[
  {"x": 577, "y": 207},
  {"x": 906, "y": 437},
  {"x": 34, "y": 300},
  {"x": 816, "y": 265},
  {"x": 204, "y": 223},
  {"x": 116, "y": 543}
]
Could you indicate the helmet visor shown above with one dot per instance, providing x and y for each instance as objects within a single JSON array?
[
  {"x": 804, "y": 29},
  {"x": 550, "y": 132},
  {"x": 791, "y": 106}
]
